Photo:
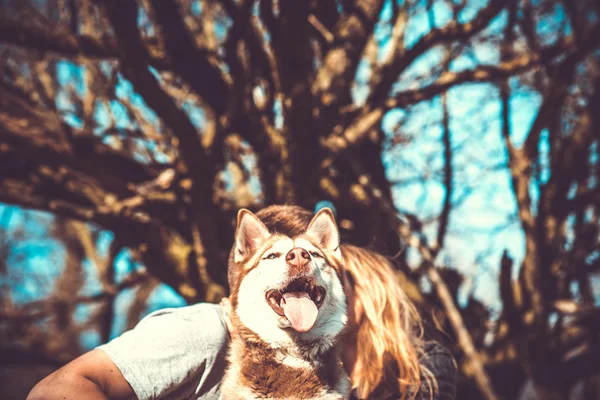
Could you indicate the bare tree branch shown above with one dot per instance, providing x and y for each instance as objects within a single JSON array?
[
  {"x": 451, "y": 32},
  {"x": 58, "y": 42},
  {"x": 191, "y": 63}
]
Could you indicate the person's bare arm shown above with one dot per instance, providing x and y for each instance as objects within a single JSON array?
[{"x": 93, "y": 376}]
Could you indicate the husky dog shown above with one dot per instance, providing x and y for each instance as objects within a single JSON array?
[{"x": 288, "y": 310}]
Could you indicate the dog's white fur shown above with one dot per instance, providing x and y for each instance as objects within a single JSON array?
[
  {"x": 252, "y": 308},
  {"x": 257, "y": 314}
]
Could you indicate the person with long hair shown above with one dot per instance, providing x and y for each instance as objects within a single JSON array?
[
  {"x": 180, "y": 353},
  {"x": 386, "y": 355}
]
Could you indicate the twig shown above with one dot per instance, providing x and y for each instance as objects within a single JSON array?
[{"x": 314, "y": 21}]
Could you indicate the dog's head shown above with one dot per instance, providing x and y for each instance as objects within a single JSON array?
[{"x": 289, "y": 289}]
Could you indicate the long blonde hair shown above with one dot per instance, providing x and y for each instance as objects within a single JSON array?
[{"x": 390, "y": 333}]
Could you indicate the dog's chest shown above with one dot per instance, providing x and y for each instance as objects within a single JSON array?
[{"x": 262, "y": 375}]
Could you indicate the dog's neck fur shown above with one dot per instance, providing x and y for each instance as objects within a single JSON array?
[{"x": 311, "y": 370}]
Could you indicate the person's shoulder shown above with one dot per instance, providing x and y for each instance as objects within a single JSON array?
[
  {"x": 193, "y": 313},
  {"x": 442, "y": 365},
  {"x": 206, "y": 319},
  {"x": 200, "y": 327},
  {"x": 435, "y": 347},
  {"x": 437, "y": 357}
]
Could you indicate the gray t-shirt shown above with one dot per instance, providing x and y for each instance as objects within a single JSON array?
[
  {"x": 180, "y": 354},
  {"x": 174, "y": 353}
]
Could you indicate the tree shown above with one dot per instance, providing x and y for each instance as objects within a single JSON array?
[{"x": 157, "y": 120}]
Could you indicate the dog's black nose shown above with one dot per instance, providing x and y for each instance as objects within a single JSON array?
[{"x": 297, "y": 257}]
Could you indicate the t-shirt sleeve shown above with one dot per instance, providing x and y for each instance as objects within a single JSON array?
[{"x": 170, "y": 351}]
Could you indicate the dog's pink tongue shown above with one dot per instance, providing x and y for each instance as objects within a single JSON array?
[{"x": 300, "y": 310}]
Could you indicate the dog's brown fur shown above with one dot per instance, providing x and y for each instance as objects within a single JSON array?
[{"x": 261, "y": 371}]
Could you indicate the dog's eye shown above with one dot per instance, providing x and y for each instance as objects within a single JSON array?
[
  {"x": 271, "y": 256},
  {"x": 315, "y": 254}
]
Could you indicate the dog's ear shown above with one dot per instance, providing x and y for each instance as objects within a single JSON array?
[
  {"x": 324, "y": 231},
  {"x": 249, "y": 235}
]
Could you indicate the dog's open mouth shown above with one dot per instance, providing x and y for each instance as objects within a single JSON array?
[{"x": 299, "y": 302}]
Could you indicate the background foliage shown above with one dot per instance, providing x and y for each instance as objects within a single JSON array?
[{"x": 459, "y": 137}]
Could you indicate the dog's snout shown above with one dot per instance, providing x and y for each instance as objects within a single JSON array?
[{"x": 297, "y": 257}]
